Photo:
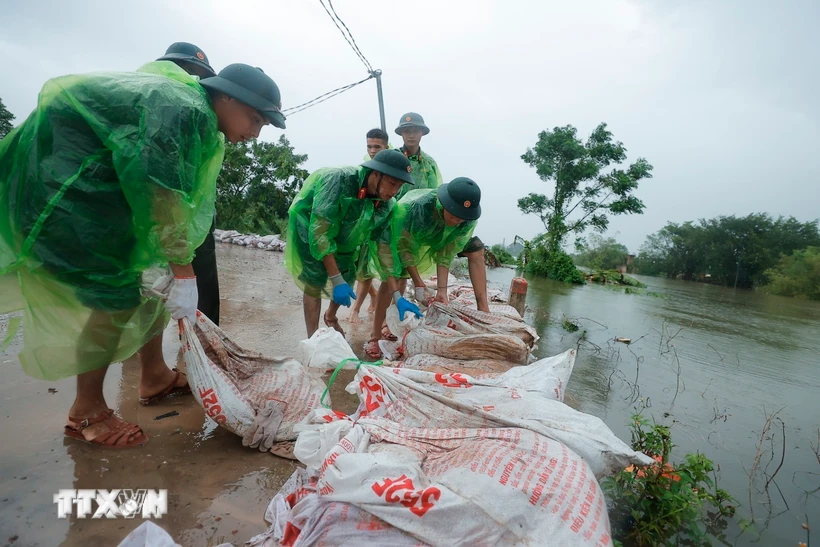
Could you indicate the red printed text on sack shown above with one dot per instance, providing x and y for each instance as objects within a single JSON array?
[
  {"x": 403, "y": 491},
  {"x": 452, "y": 380},
  {"x": 210, "y": 402},
  {"x": 373, "y": 392}
]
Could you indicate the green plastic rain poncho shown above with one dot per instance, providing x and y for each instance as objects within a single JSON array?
[
  {"x": 425, "y": 172},
  {"x": 328, "y": 217},
  {"x": 111, "y": 174},
  {"x": 417, "y": 236}
]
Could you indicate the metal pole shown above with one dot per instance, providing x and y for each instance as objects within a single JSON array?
[{"x": 378, "y": 75}]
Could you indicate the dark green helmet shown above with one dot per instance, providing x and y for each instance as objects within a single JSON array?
[
  {"x": 411, "y": 119},
  {"x": 251, "y": 86},
  {"x": 188, "y": 53},
  {"x": 461, "y": 198},
  {"x": 393, "y": 164}
]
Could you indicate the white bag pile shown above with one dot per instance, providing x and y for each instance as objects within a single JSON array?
[
  {"x": 462, "y": 333},
  {"x": 451, "y": 459},
  {"x": 266, "y": 243}
]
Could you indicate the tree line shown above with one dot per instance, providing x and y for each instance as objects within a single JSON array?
[{"x": 727, "y": 250}]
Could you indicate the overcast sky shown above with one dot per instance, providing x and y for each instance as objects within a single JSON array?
[{"x": 722, "y": 97}]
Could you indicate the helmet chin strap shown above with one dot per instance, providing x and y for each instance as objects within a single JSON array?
[{"x": 378, "y": 185}]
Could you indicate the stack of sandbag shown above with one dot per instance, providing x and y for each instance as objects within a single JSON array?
[
  {"x": 236, "y": 386},
  {"x": 466, "y": 320},
  {"x": 529, "y": 397},
  {"x": 271, "y": 242},
  {"x": 480, "y": 368},
  {"x": 451, "y": 459},
  {"x": 448, "y": 332},
  {"x": 226, "y": 236}
]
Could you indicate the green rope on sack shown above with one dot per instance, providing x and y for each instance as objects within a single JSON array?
[{"x": 339, "y": 367}]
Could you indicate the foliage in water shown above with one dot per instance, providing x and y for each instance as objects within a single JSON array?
[{"x": 662, "y": 504}]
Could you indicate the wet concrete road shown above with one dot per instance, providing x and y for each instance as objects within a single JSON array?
[{"x": 217, "y": 489}]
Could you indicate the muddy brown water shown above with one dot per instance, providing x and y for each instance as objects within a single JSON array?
[
  {"x": 739, "y": 352},
  {"x": 742, "y": 356}
]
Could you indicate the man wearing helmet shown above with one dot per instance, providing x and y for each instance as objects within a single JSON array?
[
  {"x": 111, "y": 174},
  {"x": 334, "y": 214},
  {"x": 427, "y": 229}
]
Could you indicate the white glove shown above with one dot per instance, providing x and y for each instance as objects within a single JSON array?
[
  {"x": 183, "y": 298},
  {"x": 265, "y": 425},
  {"x": 423, "y": 295}
]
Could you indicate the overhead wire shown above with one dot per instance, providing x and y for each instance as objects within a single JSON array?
[
  {"x": 354, "y": 45},
  {"x": 348, "y": 36},
  {"x": 323, "y": 97}
]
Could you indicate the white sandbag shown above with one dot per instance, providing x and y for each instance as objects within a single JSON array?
[
  {"x": 324, "y": 350},
  {"x": 232, "y": 383},
  {"x": 148, "y": 534},
  {"x": 465, "y": 320},
  {"x": 479, "y": 368},
  {"x": 300, "y": 518},
  {"x": 527, "y": 397},
  {"x": 266, "y": 240},
  {"x": 497, "y": 486},
  {"x": 416, "y": 337}
]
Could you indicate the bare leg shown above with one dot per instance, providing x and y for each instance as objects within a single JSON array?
[
  {"x": 330, "y": 317},
  {"x": 96, "y": 347},
  {"x": 478, "y": 277},
  {"x": 374, "y": 297},
  {"x": 156, "y": 376},
  {"x": 312, "y": 306},
  {"x": 382, "y": 303},
  {"x": 362, "y": 289}
]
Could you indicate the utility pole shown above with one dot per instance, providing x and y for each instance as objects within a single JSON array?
[{"x": 378, "y": 75}]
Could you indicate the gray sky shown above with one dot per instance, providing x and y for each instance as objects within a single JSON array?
[{"x": 722, "y": 97}]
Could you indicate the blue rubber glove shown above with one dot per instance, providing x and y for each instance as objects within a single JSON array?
[
  {"x": 342, "y": 293},
  {"x": 405, "y": 306}
]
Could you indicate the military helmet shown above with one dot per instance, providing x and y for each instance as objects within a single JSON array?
[
  {"x": 393, "y": 164},
  {"x": 461, "y": 197},
  {"x": 251, "y": 86},
  {"x": 411, "y": 119},
  {"x": 189, "y": 53}
]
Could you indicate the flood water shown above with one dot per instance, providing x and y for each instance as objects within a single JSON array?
[{"x": 743, "y": 356}]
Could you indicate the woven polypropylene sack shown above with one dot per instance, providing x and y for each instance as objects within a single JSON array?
[
  {"x": 231, "y": 383},
  {"x": 527, "y": 397},
  {"x": 487, "y": 486}
]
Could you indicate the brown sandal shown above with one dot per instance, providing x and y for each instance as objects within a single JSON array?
[
  {"x": 333, "y": 324},
  {"x": 171, "y": 391},
  {"x": 121, "y": 434},
  {"x": 372, "y": 350},
  {"x": 387, "y": 335}
]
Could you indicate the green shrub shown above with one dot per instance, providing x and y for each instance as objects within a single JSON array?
[{"x": 662, "y": 504}]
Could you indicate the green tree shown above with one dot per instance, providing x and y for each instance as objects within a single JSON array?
[
  {"x": 730, "y": 250},
  {"x": 502, "y": 254},
  {"x": 257, "y": 184},
  {"x": 588, "y": 186},
  {"x": 602, "y": 253},
  {"x": 6, "y": 118},
  {"x": 797, "y": 275}
]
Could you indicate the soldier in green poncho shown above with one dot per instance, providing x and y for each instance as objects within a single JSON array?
[
  {"x": 425, "y": 169},
  {"x": 336, "y": 212},
  {"x": 194, "y": 61},
  {"x": 427, "y": 174},
  {"x": 428, "y": 228},
  {"x": 377, "y": 140},
  {"x": 112, "y": 174}
]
